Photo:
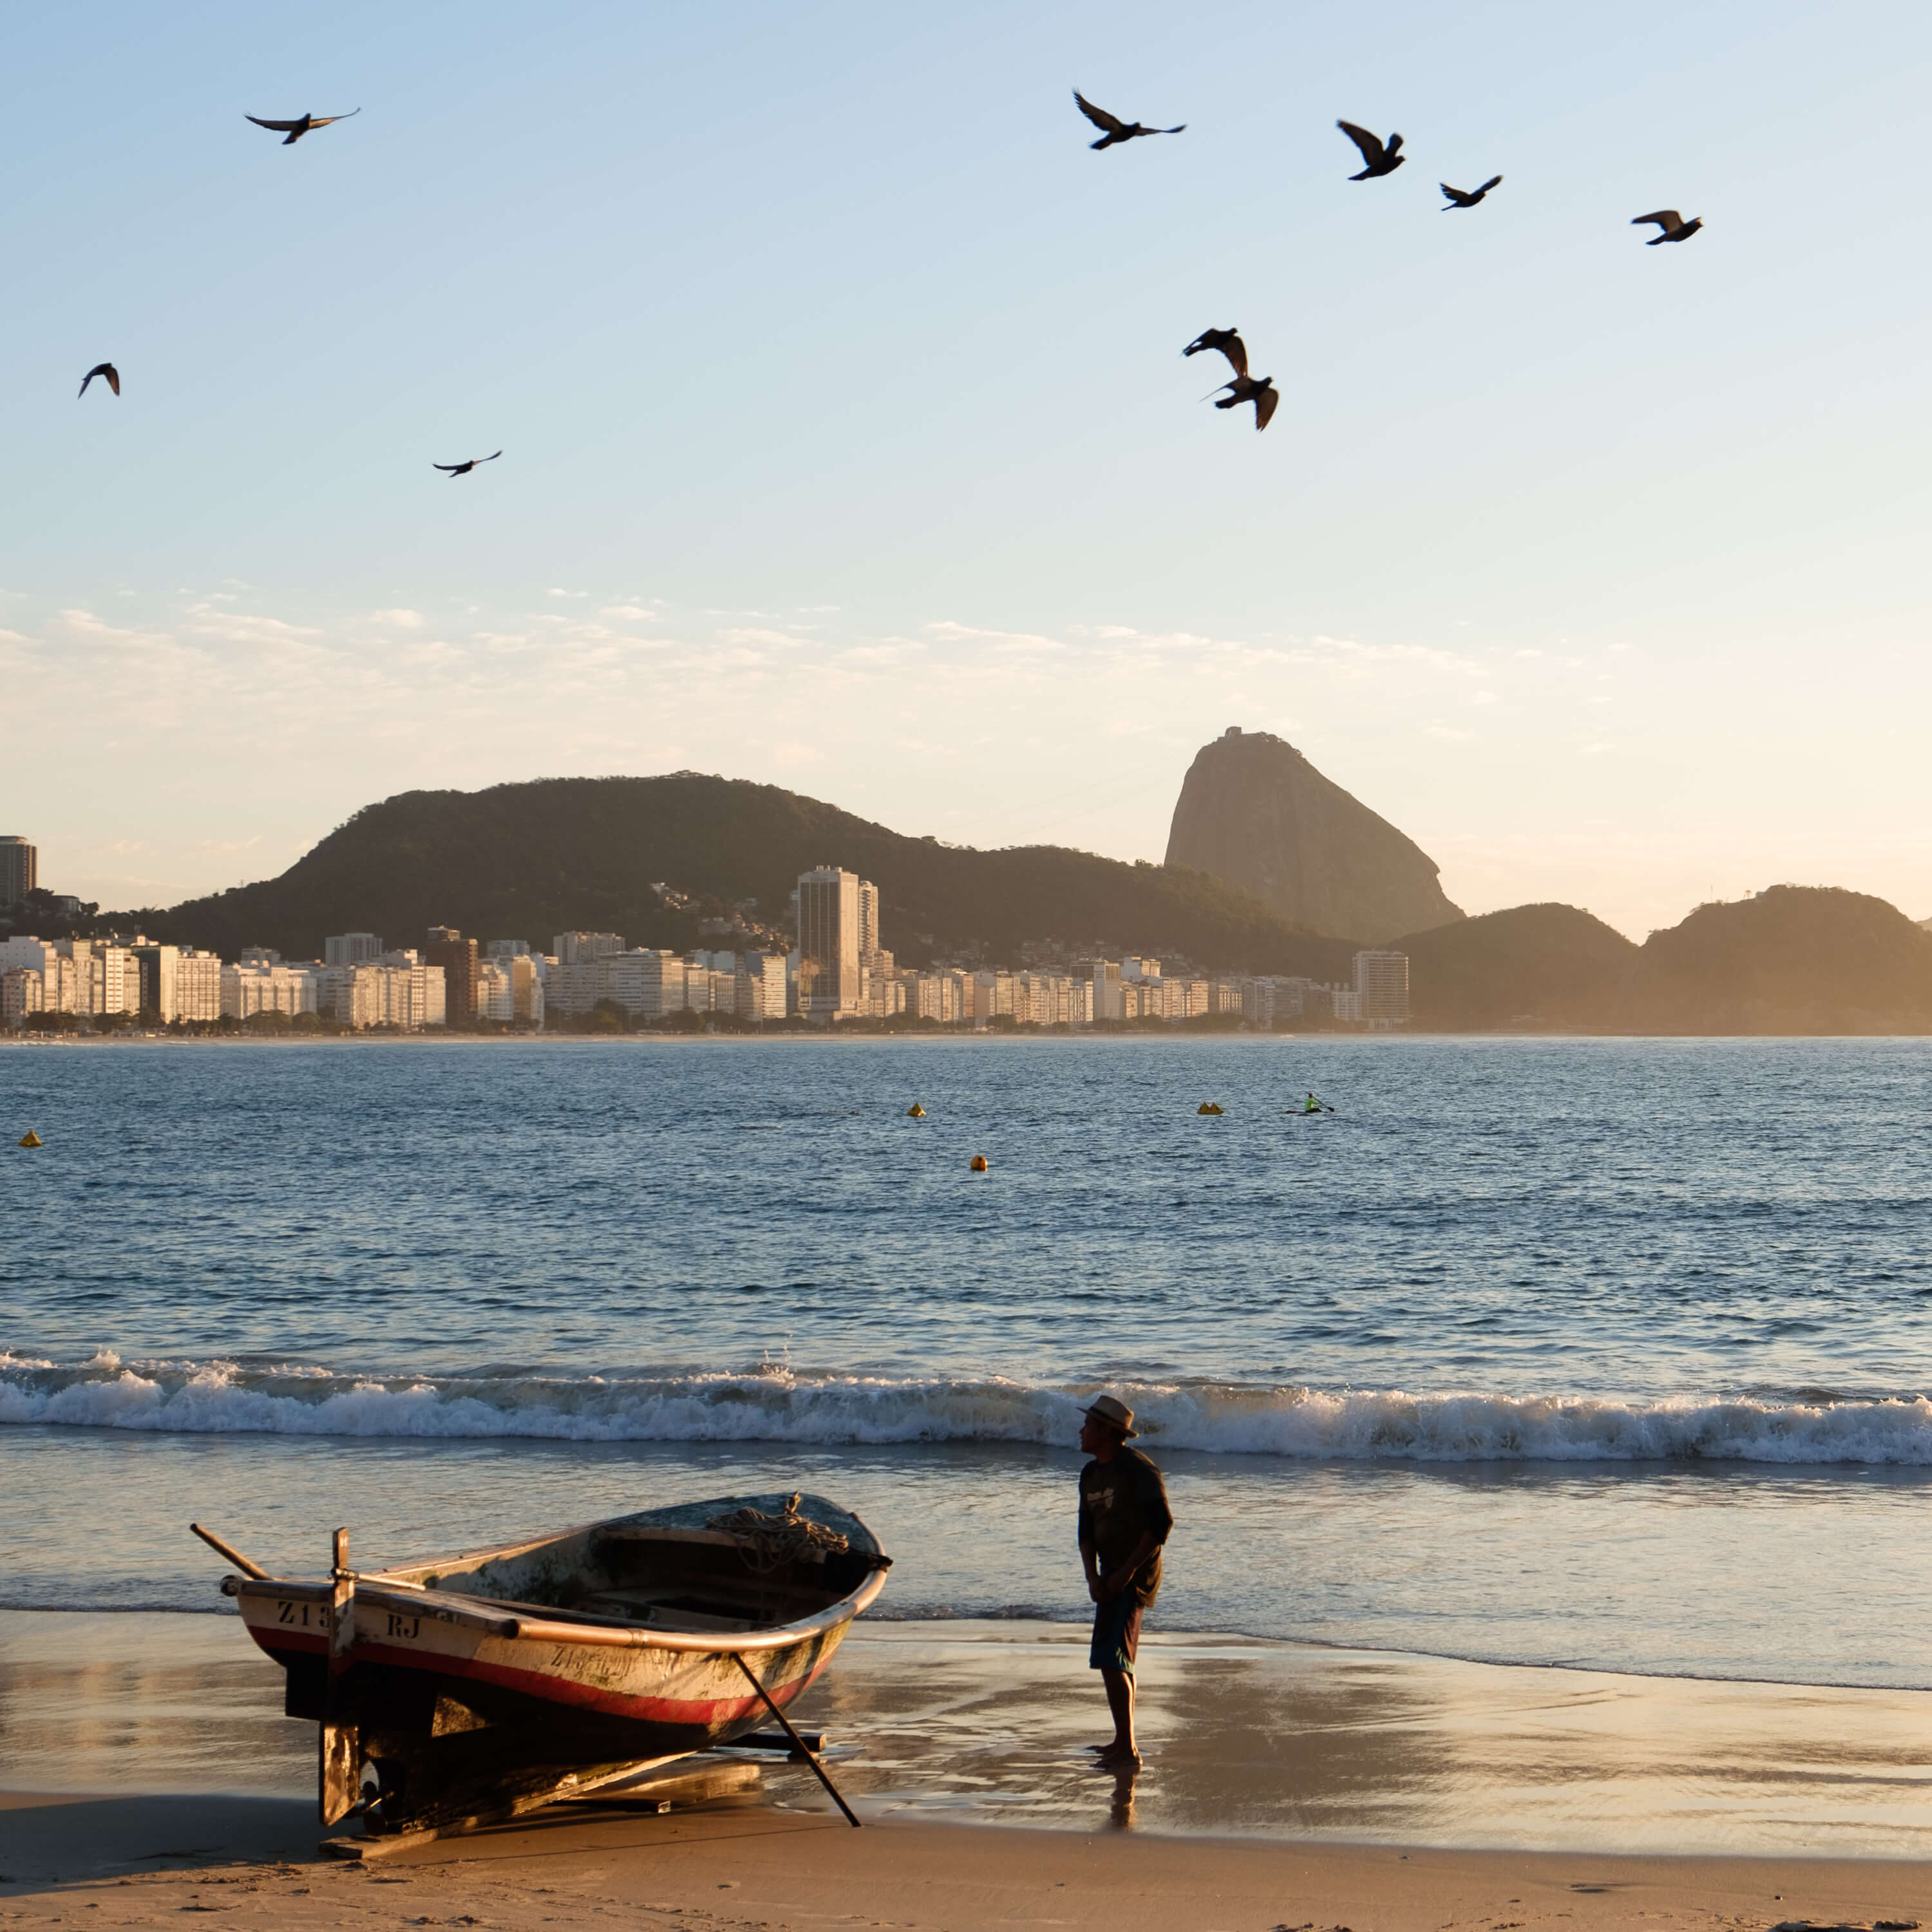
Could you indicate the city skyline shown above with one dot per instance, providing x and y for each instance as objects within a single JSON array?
[{"x": 1589, "y": 565}]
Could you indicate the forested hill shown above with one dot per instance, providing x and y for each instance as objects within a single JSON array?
[{"x": 526, "y": 861}]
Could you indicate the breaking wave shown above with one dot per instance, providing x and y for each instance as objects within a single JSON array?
[{"x": 782, "y": 1405}]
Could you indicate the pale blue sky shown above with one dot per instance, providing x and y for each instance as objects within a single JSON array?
[{"x": 849, "y": 445}]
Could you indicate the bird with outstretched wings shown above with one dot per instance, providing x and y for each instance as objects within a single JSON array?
[
  {"x": 295, "y": 130},
  {"x": 1671, "y": 227},
  {"x": 107, "y": 369},
  {"x": 464, "y": 469},
  {"x": 1259, "y": 390},
  {"x": 1467, "y": 197},
  {"x": 1113, "y": 129},
  {"x": 1379, "y": 157},
  {"x": 1228, "y": 341}
]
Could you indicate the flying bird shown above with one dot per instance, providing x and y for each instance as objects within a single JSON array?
[
  {"x": 1382, "y": 157},
  {"x": 1228, "y": 341},
  {"x": 464, "y": 469},
  {"x": 1458, "y": 199},
  {"x": 1673, "y": 226},
  {"x": 295, "y": 130},
  {"x": 1259, "y": 390},
  {"x": 107, "y": 369},
  {"x": 1115, "y": 129}
]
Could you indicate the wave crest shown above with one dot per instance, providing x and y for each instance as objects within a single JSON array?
[{"x": 786, "y": 1405}]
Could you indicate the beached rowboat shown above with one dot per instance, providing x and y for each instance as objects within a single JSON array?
[{"x": 475, "y": 1685}]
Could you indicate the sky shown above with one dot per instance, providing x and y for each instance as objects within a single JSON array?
[{"x": 849, "y": 447}]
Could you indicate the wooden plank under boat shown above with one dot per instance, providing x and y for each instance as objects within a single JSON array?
[{"x": 473, "y": 1685}]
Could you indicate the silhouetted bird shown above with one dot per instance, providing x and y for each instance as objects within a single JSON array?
[
  {"x": 1229, "y": 344},
  {"x": 1675, "y": 227},
  {"x": 1380, "y": 156},
  {"x": 1457, "y": 199},
  {"x": 1259, "y": 390},
  {"x": 295, "y": 130},
  {"x": 464, "y": 469},
  {"x": 107, "y": 369},
  {"x": 1116, "y": 129}
]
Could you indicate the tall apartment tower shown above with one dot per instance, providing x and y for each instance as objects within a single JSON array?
[
  {"x": 831, "y": 913},
  {"x": 19, "y": 869},
  {"x": 461, "y": 981},
  {"x": 1381, "y": 986}
]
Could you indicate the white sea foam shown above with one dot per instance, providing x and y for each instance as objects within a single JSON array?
[{"x": 782, "y": 1405}]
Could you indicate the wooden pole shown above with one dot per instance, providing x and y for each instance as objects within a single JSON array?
[
  {"x": 234, "y": 1555},
  {"x": 798, "y": 1743},
  {"x": 341, "y": 1747}
]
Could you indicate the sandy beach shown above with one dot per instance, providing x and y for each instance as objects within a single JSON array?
[
  {"x": 115, "y": 1862},
  {"x": 1284, "y": 1785}
]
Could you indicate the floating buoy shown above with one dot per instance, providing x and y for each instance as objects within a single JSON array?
[
  {"x": 915, "y": 1112},
  {"x": 1207, "y": 1107},
  {"x": 30, "y": 1139},
  {"x": 978, "y": 1163}
]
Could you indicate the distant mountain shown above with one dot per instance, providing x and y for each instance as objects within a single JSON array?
[
  {"x": 526, "y": 861},
  {"x": 1793, "y": 959},
  {"x": 1254, "y": 811},
  {"x": 1532, "y": 967}
]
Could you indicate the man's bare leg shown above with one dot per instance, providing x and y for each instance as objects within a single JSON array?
[{"x": 1120, "y": 1686}]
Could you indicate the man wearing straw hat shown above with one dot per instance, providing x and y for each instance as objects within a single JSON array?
[{"x": 1124, "y": 1519}]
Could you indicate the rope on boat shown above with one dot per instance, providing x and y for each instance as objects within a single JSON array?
[{"x": 768, "y": 1542}]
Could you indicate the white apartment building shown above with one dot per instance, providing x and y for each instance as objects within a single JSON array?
[
  {"x": 575, "y": 949},
  {"x": 407, "y": 996},
  {"x": 351, "y": 948},
  {"x": 1381, "y": 987},
  {"x": 23, "y": 991},
  {"x": 197, "y": 989},
  {"x": 646, "y": 983},
  {"x": 494, "y": 993},
  {"x": 760, "y": 986},
  {"x": 253, "y": 988}
]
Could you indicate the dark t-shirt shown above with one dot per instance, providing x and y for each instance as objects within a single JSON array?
[{"x": 1119, "y": 1502}]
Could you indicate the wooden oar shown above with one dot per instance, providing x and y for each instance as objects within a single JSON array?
[
  {"x": 798, "y": 1743},
  {"x": 234, "y": 1555}
]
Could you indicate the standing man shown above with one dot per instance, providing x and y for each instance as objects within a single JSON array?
[{"x": 1124, "y": 1519}]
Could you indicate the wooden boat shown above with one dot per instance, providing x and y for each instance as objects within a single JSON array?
[{"x": 473, "y": 1686}]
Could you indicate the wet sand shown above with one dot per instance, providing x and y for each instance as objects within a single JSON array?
[{"x": 1285, "y": 1785}]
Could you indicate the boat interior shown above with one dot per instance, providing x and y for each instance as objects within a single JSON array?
[{"x": 734, "y": 1564}]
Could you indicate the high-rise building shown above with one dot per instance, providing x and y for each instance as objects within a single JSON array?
[
  {"x": 575, "y": 949},
  {"x": 456, "y": 957},
  {"x": 19, "y": 869},
  {"x": 351, "y": 948},
  {"x": 830, "y": 923},
  {"x": 1381, "y": 987}
]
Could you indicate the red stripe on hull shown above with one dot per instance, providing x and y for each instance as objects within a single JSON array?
[{"x": 550, "y": 1689}]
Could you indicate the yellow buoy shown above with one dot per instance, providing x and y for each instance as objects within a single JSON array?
[
  {"x": 915, "y": 1112},
  {"x": 1207, "y": 1107},
  {"x": 30, "y": 1139},
  {"x": 978, "y": 1163}
]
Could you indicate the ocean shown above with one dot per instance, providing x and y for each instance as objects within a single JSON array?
[{"x": 1604, "y": 1353}]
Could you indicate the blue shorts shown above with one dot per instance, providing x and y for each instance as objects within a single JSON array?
[{"x": 1116, "y": 1634}]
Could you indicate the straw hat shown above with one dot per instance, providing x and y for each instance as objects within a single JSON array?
[{"x": 1113, "y": 1412}]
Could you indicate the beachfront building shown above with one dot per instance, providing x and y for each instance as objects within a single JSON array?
[
  {"x": 23, "y": 991},
  {"x": 447, "y": 949},
  {"x": 493, "y": 993},
  {"x": 256, "y": 987},
  {"x": 647, "y": 982},
  {"x": 398, "y": 991},
  {"x": 837, "y": 910},
  {"x": 1381, "y": 987},
  {"x": 759, "y": 986},
  {"x": 526, "y": 990},
  {"x": 573, "y": 949},
  {"x": 351, "y": 948},
  {"x": 19, "y": 869}
]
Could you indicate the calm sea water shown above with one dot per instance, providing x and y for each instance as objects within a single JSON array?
[{"x": 1613, "y": 1353}]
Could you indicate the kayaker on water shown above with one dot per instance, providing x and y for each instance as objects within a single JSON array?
[
  {"x": 1312, "y": 1106},
  {"x": 1124, "y": 1519}
]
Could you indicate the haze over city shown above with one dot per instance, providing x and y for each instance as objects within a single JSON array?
[{"x": 848, "y": 445}]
